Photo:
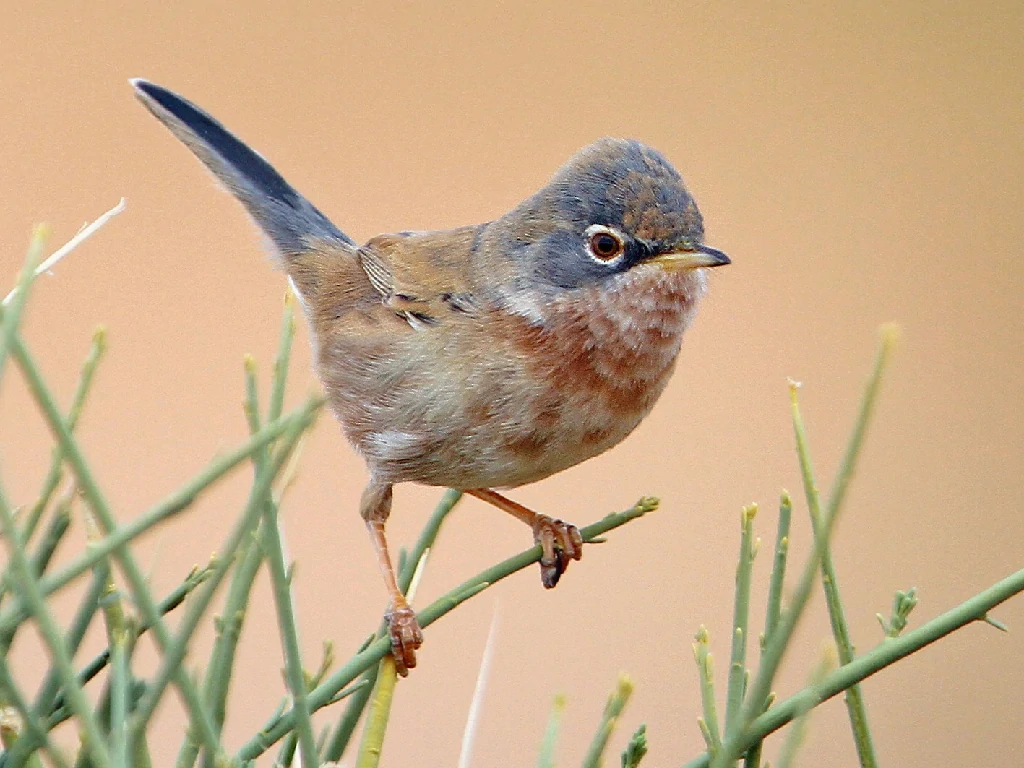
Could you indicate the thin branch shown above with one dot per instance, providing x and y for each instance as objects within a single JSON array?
[
  {"x": 610, "y": 717},
  {"x": 83, "y": 234},
  {"x": 339, "y": 740},
  {"x": 280, "y": 725},
  {"x": 546, "y": 757},
  {"x": 28, "y": 588},
  {"x": 740, "y": 621},
  {"x": 888, "y": 652}
]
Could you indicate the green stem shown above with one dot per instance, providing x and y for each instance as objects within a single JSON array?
[
  {"x": 116, "y": 539},
  {"x": 778, "y": 577},
  {"x": 284, "y": 351},
  {"x": 612, "y": 711},
  {"x": 98, "y": 503},
  {"x": 377, "y": 719},
  {"x": 889, "y": 338},
  {"x": 60, "y": 523},
  {"x": 740, "y": 621},
  {"x": 888, "y": 652},
  {"x": 774, "y": 651},
  {"x": 856, "y": 709},
  {"x": 28, "y": 589},
  {"x": 119, "y": 641},
  {"x": 270, "y": 533},
  {"x": 798, "y": 729},
  {"x": 53, "y": 475},
  {"x": 347, "y": 723},
  {"x": 229, "y": 627},
  {"x": 35, "y": 734},
  {"x": 281, "y": 583},
  {"x": 776, "y": 648},
  {"x": 546, "y": 757},
  {"x": 10, "y": 315},
  {"x": 752, "y": 759},
  {"x": 175, "y": 650},
  {"x": 168, "y": 604},
  {"x": 280, "y": 725},
  {"x": 120, "y": 685},
  {"x": 222, "y": 657},
  {"x": 44, "y": 703},
  {"x": 706, "y": 670}
]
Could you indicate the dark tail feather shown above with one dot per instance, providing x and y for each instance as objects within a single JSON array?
[{"x": 287, "y": 218}]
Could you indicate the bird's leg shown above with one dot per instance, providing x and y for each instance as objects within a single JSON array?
[
  {"x": 560, "y": 542},
  {"x": 403, "y": 628}
]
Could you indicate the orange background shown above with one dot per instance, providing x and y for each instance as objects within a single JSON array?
[{"x": 860, "y": 163}]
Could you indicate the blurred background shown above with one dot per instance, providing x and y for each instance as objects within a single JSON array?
[{"x": 860, "y": 163}]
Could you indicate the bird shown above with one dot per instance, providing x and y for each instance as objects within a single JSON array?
[{"x": 489, "y": 356}]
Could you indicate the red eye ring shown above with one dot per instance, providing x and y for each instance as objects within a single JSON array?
[{"x": 605, "y": 245}]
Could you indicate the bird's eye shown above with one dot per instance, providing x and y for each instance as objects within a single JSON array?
[{"x": 605, "y": 245}]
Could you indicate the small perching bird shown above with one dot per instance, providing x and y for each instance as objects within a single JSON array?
[{"x": 488, "y": 356}]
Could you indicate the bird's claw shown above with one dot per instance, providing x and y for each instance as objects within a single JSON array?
[
  {"x": 406, "y": 636},
  {"x": 560, "y": 542}
]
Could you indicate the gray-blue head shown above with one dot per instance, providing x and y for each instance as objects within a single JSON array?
[{"x": 614, "y": 205}]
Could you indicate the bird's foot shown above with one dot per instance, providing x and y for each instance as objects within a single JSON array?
[
  {"x": 406, "y": 636},
  {"x": 560, "y": 542}
]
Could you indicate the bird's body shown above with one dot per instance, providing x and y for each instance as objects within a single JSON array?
[
  {"x": 489, "y": 356},
  {"x": 544, "y": 388}
]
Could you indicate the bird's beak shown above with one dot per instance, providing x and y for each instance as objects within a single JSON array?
[{"x": 691, "y": 257}]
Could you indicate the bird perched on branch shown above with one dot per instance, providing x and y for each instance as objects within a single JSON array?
[{"x": 488, "y": 356}]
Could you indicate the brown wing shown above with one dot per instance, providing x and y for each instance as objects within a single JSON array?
[{"x": 422, "y": 277}]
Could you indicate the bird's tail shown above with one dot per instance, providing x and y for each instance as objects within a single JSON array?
[{"x": 287, "y": 218}]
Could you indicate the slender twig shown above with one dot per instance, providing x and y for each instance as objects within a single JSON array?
[
  {"x": 286, "y": 755},
  {"x": 778, "y": 577},
  {"x": 636, "y": 748},
  {"x": 175, "y": 649},
  {"x": 45, "y": 699},
  {"x": 36, "y": 736},
  {"x": 54, "y": 473},
  {"x": 280, "y": 580},
  {"x": 609, "y": 719},
  {"x": 706, "y": 671},
  {"x": 798, "y": 728},
  {"x": 175, "y": 598},
  {"x": 773, "y": 611},
  {"x": 772, "y": 657},
  {"x": 243, "y": 577},
  {"x": 378, "y": 714},
  {"x": 339, "y": 740},
  {"x": 855, "y": 706},
  {"x": 740, "y": 618},
  {"x": 60, "y": 524},
  {"x": 279, "y": 725},
  {"x": 890, "y": 334},
  {"x": 28, "y": 589},
  {"x": 100, "y": 507},
  {"x": 10, "y": 314},
  {"x": 281, "y": 361},
  {"x": 172, "y": 505},
  {"x": 83, "y": 234},
  {"x": 888, "y": 652},
  {"x": 250, "y": 554},
  {"x": 546, "y": 757},
  {"x": 120, "y": 640}
]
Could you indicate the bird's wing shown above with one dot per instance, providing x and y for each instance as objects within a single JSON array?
[{"x": 424, "y": 277}]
